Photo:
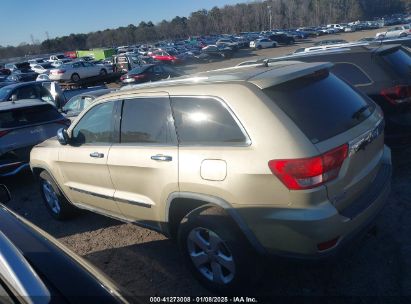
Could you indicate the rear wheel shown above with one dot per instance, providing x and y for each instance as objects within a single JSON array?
[
  {"x": 55, "y": 202},
  {"x": 75, "y": 77},
  {"x": 103, "y": 72},
  {"x": 216, "y": 252}
]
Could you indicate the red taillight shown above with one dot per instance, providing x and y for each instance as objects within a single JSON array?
[
  {"x": 307, "y": 173},
  {"x": 328, "y": 244},
  {"x": 4, "y": 132},
  {"x": 61, "y": 71},
  {"x": 139, "y": 76},
  {"x": 398, "y": 94}
]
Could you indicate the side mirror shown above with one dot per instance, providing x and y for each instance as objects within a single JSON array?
[
  {"x": 62, "y": 136},
  {"x": 5, "y": 196},
  {"x": 14, "y": 97}
]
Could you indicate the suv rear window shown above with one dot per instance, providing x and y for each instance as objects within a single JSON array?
[
  {"x": 28, "y": 116},
  {"x": 400, "y": 60},
  {"x": 321, "y": 104}
]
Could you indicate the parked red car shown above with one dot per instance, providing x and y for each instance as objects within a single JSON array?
[{"x": 164, "y": 57}]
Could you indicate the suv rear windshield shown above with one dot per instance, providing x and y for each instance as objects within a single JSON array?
[
  {"x": 321, "y": 104},
  {"x": 27, "y": 116},
  {"x": 400, "y": 60}
]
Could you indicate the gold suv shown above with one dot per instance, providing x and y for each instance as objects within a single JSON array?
[{"x": 281, "y": 158}]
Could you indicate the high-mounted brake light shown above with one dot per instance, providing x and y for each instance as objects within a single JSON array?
[
  {"x": 398, "y": 94},
  {"x": 307, "y": 173}
]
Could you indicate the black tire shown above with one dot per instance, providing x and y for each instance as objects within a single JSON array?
[
  {"x": 103, "y": 72},
  {"x": 274, "y": 45},
  {"x": 259, "y": 47},
  {"x": 234, "y": 249},
  {"x": 75, "y": 77},
  {"x": 56, "y": 204}
]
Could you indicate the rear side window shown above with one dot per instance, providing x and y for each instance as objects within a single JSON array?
[
  {"x": 351, "y": 73},
  {"x": 147, "y": 120},
  {"x": 321, "y": 105},
  {"x": 206, "y": 121},
  {"x": 28, "y": 116},
  {"x": 400, "y": 61}
]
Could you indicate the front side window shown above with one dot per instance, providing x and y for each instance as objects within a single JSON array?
[
  {"x": 206, "y": 121},
  {"x": 147, "y": 121},
  {"x": 96, "y": 126}
]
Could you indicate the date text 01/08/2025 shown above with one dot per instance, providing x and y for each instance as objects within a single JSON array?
[{"x": 203, "y": 300}]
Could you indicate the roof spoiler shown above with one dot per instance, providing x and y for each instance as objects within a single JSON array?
[
  {"x": 386, "y": 49},
  {"x": 294, "y": 71}
]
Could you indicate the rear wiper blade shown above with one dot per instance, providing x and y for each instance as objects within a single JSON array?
[{"x": 357, "y": 114}]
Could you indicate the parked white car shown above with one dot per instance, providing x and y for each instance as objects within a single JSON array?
[
  {"x": 395, "y": 32},
  {"x": 338, "y": 27},
  {"x": 263, "y": 43},
  {"x": 77, "y": 70},
  {"x": 43, "y": 77},
  {"x": 42, "y": 68}
]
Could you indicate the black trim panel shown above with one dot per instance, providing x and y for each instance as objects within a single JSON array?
[{"x": 111, "y": 198}]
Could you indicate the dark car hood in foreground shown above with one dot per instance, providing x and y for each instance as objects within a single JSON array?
[{"x": 69, "y": 278}]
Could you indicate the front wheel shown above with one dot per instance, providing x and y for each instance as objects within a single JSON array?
[
  {"x": 259, "y": 47},
  {"x": 75, "y": 77},
  {"x": 55, "y": 202},
  {"x": 216, "y": 251},
  {"x": 103, "y": 72}
]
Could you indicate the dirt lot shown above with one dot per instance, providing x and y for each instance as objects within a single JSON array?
[{"x": 146, "y": 263}]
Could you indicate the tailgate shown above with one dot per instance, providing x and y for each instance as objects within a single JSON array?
[{"x": 366, "y": 145}]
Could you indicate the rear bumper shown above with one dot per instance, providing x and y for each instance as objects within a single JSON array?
[
  {"x": 296, "y": 233},
  {"x": 12, "y": 168}
]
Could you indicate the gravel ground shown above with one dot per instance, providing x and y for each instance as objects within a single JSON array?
[{"x": 146, "y": 263}]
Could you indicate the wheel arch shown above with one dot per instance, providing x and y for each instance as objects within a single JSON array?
[
  {"x": 36, "y": 170},
  {"x": 181, "y": 203}
]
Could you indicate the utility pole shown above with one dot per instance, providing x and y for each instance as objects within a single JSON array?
[{"x": 270, "y": 14}]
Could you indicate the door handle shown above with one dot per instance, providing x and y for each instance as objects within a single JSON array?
[
  {"x": 161, "y": 157},
  {"x": 97, "y": 155}
]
